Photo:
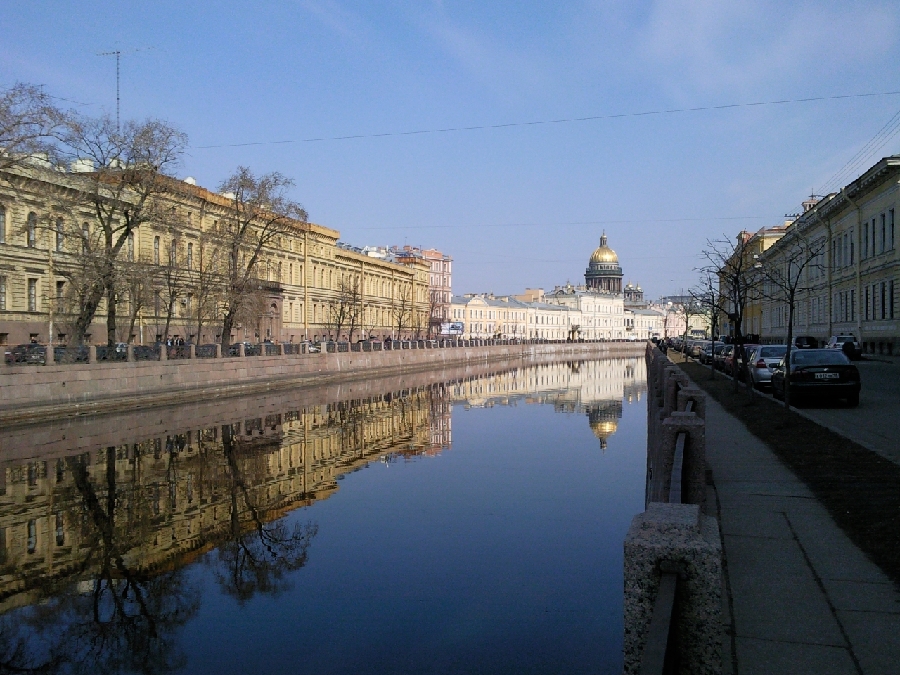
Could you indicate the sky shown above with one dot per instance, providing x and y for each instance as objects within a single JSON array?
[{"x": 515, "y": 206}]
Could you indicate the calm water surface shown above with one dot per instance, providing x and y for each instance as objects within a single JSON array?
[{"x": 471, "y": 526}]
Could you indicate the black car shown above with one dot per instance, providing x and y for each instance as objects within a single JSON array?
[{"x": 821, "y": 373}]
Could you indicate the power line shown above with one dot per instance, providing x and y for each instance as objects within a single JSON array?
[
  {"x": 885, "y": 134},
  {"x": 567, "y": 120}
]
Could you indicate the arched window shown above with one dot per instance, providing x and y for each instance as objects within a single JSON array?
[
  {"x": 2, "y": 224},
  {"x": 60, "y": 236},
  {"x": 85, "y": 238},
  {"x": 31, "y": 230},
  {"x": 156, "y": 250}
]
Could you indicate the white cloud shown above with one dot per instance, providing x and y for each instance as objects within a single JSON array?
[{"x": 709, "y": 45}]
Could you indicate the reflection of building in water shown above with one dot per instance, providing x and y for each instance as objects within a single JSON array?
[
  {"x": 596, "y": 388},
  {"x": 167, "y": 500},
  {"x": 155, "y": 505}
]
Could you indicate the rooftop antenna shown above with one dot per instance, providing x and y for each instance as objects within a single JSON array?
[{"x": 118, "y": 54}]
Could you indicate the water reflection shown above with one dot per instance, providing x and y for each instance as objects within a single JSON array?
[{"x": 95, "y": 544}]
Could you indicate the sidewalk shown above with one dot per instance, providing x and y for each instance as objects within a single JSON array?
[{"x": 800, "y": 596}]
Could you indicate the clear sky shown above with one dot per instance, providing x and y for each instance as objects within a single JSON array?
[{"x": 518, "y": 206}]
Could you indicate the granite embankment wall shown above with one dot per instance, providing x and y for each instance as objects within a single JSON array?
[{"x": 34, "y": 393}]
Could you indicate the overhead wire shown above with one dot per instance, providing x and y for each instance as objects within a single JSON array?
[
  {"x": 567, "y": 120},
  {"x": 878, "y": 141}
]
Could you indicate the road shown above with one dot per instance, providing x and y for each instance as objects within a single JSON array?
[{"x": 876, "y": 422}]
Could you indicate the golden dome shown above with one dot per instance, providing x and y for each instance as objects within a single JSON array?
[{"x": 604, "y": 254}]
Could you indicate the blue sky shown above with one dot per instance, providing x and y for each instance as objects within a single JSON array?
[{"x": 519, "y": 206}]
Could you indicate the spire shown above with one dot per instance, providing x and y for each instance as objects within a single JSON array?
[{"x": 603, "y": 238}]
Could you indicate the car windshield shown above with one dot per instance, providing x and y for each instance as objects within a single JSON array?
[
  {"x": 772, "y": 352},
  {"x": 818, "y": 357}
]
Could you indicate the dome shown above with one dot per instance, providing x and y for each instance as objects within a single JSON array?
[
  {"x": 603, "y": 429},
  {"x": 604, "y": 254}
]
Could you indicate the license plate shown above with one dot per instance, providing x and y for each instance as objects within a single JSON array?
[{"x": 827, "y": 376}]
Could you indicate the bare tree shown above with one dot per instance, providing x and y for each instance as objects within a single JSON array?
[
  {"x": 733, "y": 263},
  {"x": 260, "y": 213},
  {"x": 787, "y": 274},
  {"x": 402, "y": 310},
  {"x": 706, "y": 295},
  {"x": 139, "y": 282},
  {"x": 173, "y": 282},
  {"x": 207, "y": 283},
  {"x": 28, "y": 122},
  {"x": 130, "y": 169}
]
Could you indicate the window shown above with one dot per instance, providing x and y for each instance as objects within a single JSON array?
[
  {"x": 865, "y": 243},
  {"x": 891, "y": 300},
  {"x": 60, "y": 292},
  {"x": 190, "y": 256},
  {"x": 890, "y": 228},
  {"x": 2, "y": 293},
  {"x": 60, "y": 236},
  {"x": 60, "y": 531},
  {"x": 32, "y": 536},
  {"x": 156, "y": 250},
  {"x": 883, "y": 300},
  {"x": 131, "y": 247},
  {"x": 173, "y": 252},
  {"x": 867, "y": 304},
  {"x": 2, "y": 225},
  {"x": 32, "y": 295},
  {"x": 31, "y": 230},
  {"x": 85, "y": 238},
  {"x": 882, "y": 243}
]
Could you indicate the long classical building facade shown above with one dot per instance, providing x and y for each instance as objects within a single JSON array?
[
  {"x": 849, "y": 282},
  {"x": 600, "y": 309},
  {"x": 301, "y": 274}
]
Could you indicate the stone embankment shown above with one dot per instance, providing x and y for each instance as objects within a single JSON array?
[
  {"x": 673, "y": 551},
  {"x": 30, "y": 393}
]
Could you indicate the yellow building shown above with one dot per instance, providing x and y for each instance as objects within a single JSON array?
[{"x": 302, "y": 275}]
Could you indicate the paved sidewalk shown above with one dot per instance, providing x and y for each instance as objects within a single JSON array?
[{"x": 804, "y": 598}]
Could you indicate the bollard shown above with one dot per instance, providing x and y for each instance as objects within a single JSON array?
[
  {"x": 129, "y": 353},
  {"x": 192, "y": 351},
  {"x": 675, "y": 538},
  {"x": 49, "y": 356},
  {"x": 218, "y": 351},
  {"x": 92, "y": 354},
  {"x": 280, "y": 349},
  {"x": 241, "y": 349},
  {"x": 163, "y": 352}
]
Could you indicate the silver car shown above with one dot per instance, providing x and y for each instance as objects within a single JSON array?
[{"x": 762, "y": 362}]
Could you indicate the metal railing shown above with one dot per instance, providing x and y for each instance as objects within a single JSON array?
[{"x": 36, "y": 354}]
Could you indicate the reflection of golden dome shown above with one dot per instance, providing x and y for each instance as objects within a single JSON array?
[{"x": 604, "y": 429}]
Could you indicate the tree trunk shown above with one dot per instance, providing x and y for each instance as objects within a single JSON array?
[
  {"x": 86, "y": 314},
  {"x": 787, "y": 355},
  {"x": 170, "y": 308},
  {"x": 227, "y": 326},
  {"x": 110, "y": 314}
]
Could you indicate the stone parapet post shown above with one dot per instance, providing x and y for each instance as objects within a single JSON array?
[
  {"x": 675, "y": 537},
  {"x": 49, "y": 356},
  {"x": 192, "y": 351},
  {"x": 163, "y": 351},
  {"x": 129, "y": 353},
  {"x": 694, "y": 462},
  {"x": 92, "y": 354},
  {"x": 241, "y": 349},
  {"x": 218, "y": 351},
  {"x": 695, "y": 396}
]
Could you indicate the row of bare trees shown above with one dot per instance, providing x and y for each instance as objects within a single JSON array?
[
  {"x": 738, "y": 273},
  {"x": 119, "y": 178}
]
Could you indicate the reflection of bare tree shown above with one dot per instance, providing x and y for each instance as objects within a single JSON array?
[
  {"x": 258, "y": 554},
  {"x": 120, "y": 620}
]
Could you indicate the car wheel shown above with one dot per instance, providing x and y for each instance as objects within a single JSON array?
[{"x": 853, "y": 400}]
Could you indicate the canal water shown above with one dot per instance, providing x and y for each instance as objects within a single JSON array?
[{"x": 465, "y": 526}]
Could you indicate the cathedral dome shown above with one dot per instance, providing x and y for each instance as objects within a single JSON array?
[{"x": 604, "y": 254}]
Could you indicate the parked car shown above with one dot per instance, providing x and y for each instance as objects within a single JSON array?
[
  {"x": 853, "y": 349},
  {"x": 742, "y": 370},
  {"x": 706, "y": 355},
  {"x": 30, "y": 354},
  {"x": 724, "y": 357},
  {"x": 727, "y": 359},
  {"x": 719, "y": 355},
  {"x": 823, "y": 373},
  {"x": 806, "y": 342},
  {"x": 762, "y": 361}
]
